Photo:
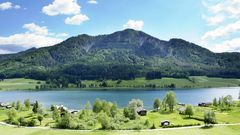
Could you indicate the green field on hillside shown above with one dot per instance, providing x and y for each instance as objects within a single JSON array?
[
  {"x": 193, "y": 82},
  {"x": 19, "y": 84}
]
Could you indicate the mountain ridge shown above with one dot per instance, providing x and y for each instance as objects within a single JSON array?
[{"x": 128, "y": 47}]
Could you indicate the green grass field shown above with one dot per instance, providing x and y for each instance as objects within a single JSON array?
[
  {"x": 19, "y": 84},
  {"x": 199, "y": 82},
  {"x": 221, "y": 130}
]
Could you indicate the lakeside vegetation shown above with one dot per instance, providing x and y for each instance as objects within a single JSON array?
[
  {"x": 103, "y": 115},
  {"x": 191, "y": 82}
]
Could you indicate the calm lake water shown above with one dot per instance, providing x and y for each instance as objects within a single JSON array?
[{"x": 75, "y": 99}]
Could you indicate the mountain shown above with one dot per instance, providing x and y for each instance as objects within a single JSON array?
[{"x": 119, "y": 55}]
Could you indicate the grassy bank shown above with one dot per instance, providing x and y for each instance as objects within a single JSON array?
[
  {"x": 19, "y": 84},
  {"x": 193, "y": 82},
  {"x": 222, "y": 130}
]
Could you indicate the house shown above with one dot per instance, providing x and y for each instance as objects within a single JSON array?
[
  {"x": 9, "y": 107},
  {"x": 6, "y": 105},
  {"x": 165, "y": 123},
  {"x": 73, "y": 111},
  {"x": 181, "y": 104},
  {"x": 64, "y": 110},
  {"x": 204, "y": 104},
  {"x": 141, "y": 111}
]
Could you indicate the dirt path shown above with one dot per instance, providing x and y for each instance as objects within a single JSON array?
[{"x": 160, "y": 129}]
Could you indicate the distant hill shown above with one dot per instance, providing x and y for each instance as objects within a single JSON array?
[{"x": 120, "y": 55}]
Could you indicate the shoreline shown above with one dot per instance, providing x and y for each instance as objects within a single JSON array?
[{"x": 115, "y": 88}]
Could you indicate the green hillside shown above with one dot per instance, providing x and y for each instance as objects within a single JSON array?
[{"x": 123, "y": 55}]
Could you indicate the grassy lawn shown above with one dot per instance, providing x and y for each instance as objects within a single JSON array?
[
  {"x": 232, "y": 116},
  {"x": 18, "y": 84},
  {"x": 223, "y": 130}
]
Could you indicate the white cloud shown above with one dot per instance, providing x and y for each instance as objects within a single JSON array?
[
  {"x": 230, "y": 7},
  {"x": 134, "y": 24},
  {"x": 5, "y": 51},
  {"x": 214, "y": 20},
  {"x": 32, "y": 27},
  {"x": 29, "y": 40},
  {"x": 76, "y": 20},
  {"x": 92, "y": 2},
  {"x": 64, "y": 7},
  {"x": 225, "y": 16},
  {"x": 35, "y": 36},
  {"x": 17, "y": 6},
  {"x": 222, "y": 31},
  {"x": 228, "y": 45},
  {"x": 8, "y": 5},
  {"x": 61, "y": 35},
  {"x": 5, "y": 5}
]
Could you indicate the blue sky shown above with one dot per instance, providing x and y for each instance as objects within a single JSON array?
[{"x": 211, "y": 24}]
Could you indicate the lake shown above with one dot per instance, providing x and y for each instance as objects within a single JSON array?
[{"x": 77, "y": 98}]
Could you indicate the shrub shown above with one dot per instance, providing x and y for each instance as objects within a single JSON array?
[
  {"x": 189, "y": 111},
  {"x": 153, "y": 126},
  {"x": 32, "y": 123},
  {"x": 12, "y": 114},
  {"x": 23, "y": 121},
  {"x": 40, "y": 118},
  {"x": 209, "y": 118},
  {"x": 104, "y": 120}
]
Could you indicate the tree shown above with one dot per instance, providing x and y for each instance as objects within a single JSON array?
[
  {"x": 170, "y": 100},
  {"x": 104, "y": 120},
  {"x": 40, "y": 118},
  {"x": 35, "y": 107},
  {"x": 2, "y": 77},
  {"x": 12, "y": 114},
  {"x": 215, "y": 103},
  {"x": 56, "y": 114},
  {"x": 130, "y": 113},
  {"x": 97, "y": 106},
  {"x": 113, "y": 109},
  {"x": 135, "y": 103},
  {"x": 153, "y": 75},
  {"x": 27, "y": 104},
  {"x": 228, "y": 101},
  {"x": 189, "y": 111},
  {"x": 209, "y": 118},
  {"x": 88, "y": 106},
  {"x": 18, "y": 105},
  {"x": 157, "y": 104},
  {"x": 104, "y": 84},
  {"x": 65, "y": 121}
]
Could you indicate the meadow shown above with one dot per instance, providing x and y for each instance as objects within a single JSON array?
[{"x": 192, "y": 82}]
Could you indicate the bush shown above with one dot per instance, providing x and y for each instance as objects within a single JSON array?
[
  {"x": 32, "y": 123},
  {"x": 14, "y": 122},
  {"x": 104, "y": 120},
  {"x": 130, "y": 113},
  {"x": 153, "y": 126},
  {"x": 23, "y": 121},
  {"x": 12, "y": 114},
  {"x": 210, "y": 118}
]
